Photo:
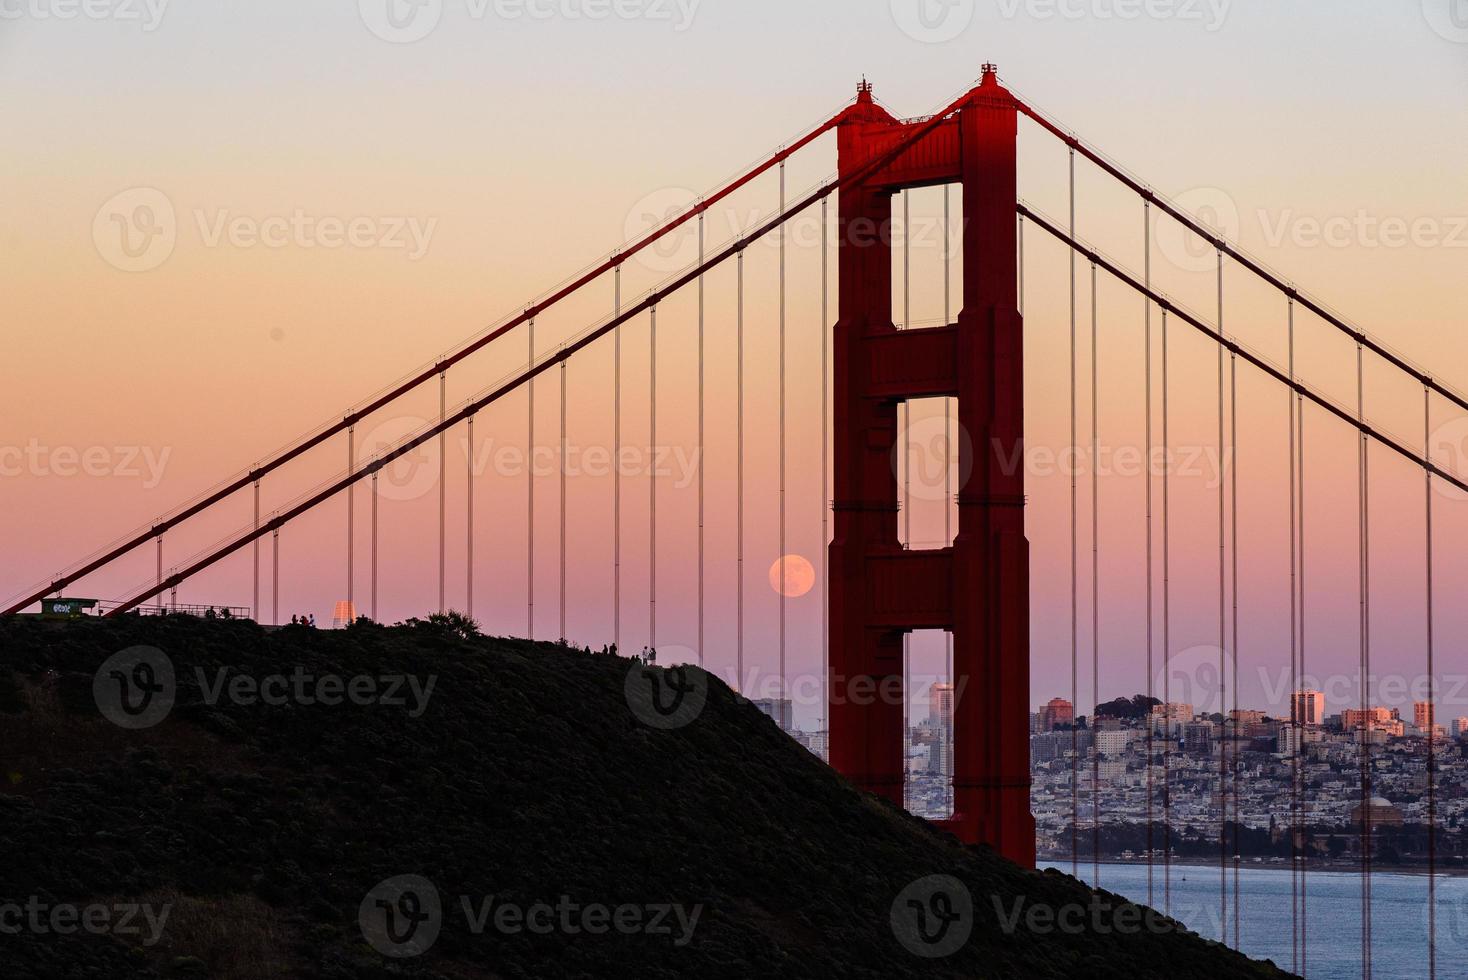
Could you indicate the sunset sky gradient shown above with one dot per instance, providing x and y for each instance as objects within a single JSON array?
[{"x": 346, "y": 208}]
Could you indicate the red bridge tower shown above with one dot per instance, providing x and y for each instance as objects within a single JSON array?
[{"x": 979, "y": 587}]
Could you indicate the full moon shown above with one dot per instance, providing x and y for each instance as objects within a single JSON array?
[{"x": 792, "y": 576}]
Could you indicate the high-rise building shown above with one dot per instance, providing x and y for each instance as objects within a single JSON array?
[
  {"x": 1057, "y": 711},
  {"x": 1460, "y": 728},
  {"x": 1198, "y": 737},
  {"x": 1422, "y": 715},
  {"x": 1113, "y": 741},
  {"x": 779, "y": 709},
  {"x": 940, "y": 705},
  {"x": 1307, "y": 707}
]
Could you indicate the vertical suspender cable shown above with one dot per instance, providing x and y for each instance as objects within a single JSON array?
[
  {"x": 652, "y": 481},
  {"x": 1431, "y": 699},
  {"x": 1166, "y": 638},
  {"x": 617, "y": 461},
  {"x": 1294, "y": 655},
  {"x": 351, "y": 515},
  {"x": 1075, "y": 684},
  {"x": 1233, "y": 424},
  {"x": 780, "y": 703},
  {"x": 946, "y": 731},
  {"x": 275, "y": 576},
  {"x": 1095, "y": 588},
  {"x": 255, "y": 602},
  {"x": 469, "y": 521},
  {"x": 1147, "y": 384},
  {"x": 443, "y": 411},
  {"x": 739, "y": 476},
  {"x": 1366, "y": 822},
  {"x": 374, "y": 546},
  {"x": 906, "y": 483},
  {"x": 825, "y": 467},
  {"x": 1304, "y": 857},
  {"x": 562, "y": 535},
  {"x": 700, "y": 440},
  {"x": 159, "y": 542},
  {"x": 1222, "y": 643},
  {"x": 530, "y": 489}
]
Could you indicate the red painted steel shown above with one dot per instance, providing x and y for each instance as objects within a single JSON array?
[{"x": 979, "y": 587}]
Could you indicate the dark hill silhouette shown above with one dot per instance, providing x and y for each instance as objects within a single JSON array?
[{"x": 266, "y": 830}]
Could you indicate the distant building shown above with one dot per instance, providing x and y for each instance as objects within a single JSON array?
[
  {"x": 1381, "y": 812},
  {"x": 1460, "y": 728},
  {"x": 1373, "y": 720},
  {"x": 1113, "y": 741},
  {"x": 1293, "y": 738},
  {"x": 345, "y": 614},
  {"x": 940, "y": 705},
  {"x": 1198, "y": 737},
  {"x": 1307, "y": 707},
  {"x": 1057, "y": 712},
  {"x": 1422, "y": 715},
  {"x": 780, "y": 709},
  {"x": 1169, "y": 719}
]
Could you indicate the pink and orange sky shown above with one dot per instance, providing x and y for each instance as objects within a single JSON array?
[{"x": 313, "y": 203}]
